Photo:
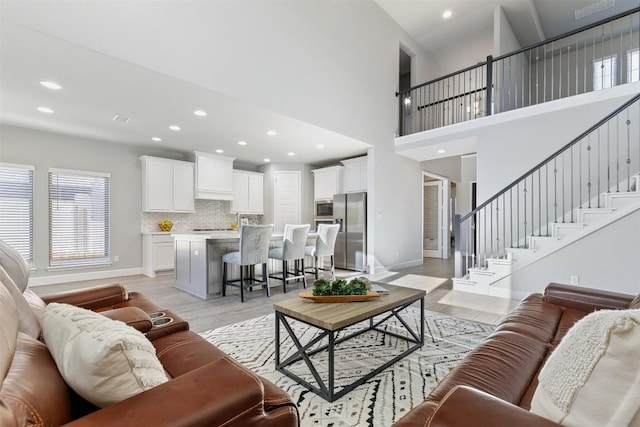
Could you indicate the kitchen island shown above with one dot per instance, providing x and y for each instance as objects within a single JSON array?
[{"x": 198, "y": 266}]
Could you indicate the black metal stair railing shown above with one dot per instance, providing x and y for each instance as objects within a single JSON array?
[
  {"x": 598, "y": 56},
  {"x": 601, "y": 160}
]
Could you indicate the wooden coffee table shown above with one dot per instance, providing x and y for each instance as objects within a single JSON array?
[{"x": 331, "y": 318}]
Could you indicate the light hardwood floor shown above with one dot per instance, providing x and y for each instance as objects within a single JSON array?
[{"x": 434, "y": 276}]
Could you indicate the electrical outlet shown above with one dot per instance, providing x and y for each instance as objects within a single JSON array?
[
  {"x": 575, "y": 280},
  {"x": 116, "y": 258}
]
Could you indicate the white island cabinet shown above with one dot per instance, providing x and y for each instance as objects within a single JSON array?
[
  {"x": 214, "y": 176},
  {"x": 167, "y": 185}
]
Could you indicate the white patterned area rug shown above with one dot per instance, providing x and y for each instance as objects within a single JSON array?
[{"x": 380, "y": 401}]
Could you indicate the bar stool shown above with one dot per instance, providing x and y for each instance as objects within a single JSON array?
[
  {"x": 293, "y": 243},
  {"x": 254, "y": 249},
  {"x": 325, "y": 246}
]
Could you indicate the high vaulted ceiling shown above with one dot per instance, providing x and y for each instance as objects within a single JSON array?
[
  {"x": 45, "y": 40},
  {"x": 532, "y": 20}
]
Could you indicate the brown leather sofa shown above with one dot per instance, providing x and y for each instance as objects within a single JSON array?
[
  {"x": 494, "y": 384},
  {"x": 206, "y": 387}
]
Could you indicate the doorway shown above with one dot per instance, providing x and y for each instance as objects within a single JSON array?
[
  {"x": 436, "y": 222},
  {"x": 404, "y": 83}
]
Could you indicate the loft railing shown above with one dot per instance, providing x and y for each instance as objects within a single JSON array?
[
  {"x": 600, "y": 160},
  {"x": 598, "y": 56}
]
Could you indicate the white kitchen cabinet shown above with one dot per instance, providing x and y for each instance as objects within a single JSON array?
[
  {"x": 248, "y": 192},
  {"x": 167, "y": 185},
  {"x": 214, "y": 176},
  {"x": 354, "y": 175},
  {"x": 327, "y": 182},
  {"x": 158, "y": 253}
]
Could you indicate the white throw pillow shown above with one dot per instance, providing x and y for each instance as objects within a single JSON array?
[
  {"x": 103, "y": 360},
  {"x": 593, "y": 377}
]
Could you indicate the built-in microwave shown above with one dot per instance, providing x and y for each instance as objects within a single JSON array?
[{"x": 324, "y": 209}]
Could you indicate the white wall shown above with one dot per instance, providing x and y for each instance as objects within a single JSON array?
[
  {"x": 47, "y": 150},
  {"x": 606, "y": 259},
  {"x": 449, "y": 167},
  {"x": 332, "y": 64},
  {"x": 507, "y": 151},
  {"x": 504, "y": 39}
]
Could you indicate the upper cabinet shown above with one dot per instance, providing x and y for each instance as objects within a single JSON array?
[
  {"x": 248, "y": 192},
  {"x": 167, "y": 185},
  {"x": 214, "y": 176},
  {"x": 327, "y": 182},
  {"x": 354, "y": 175}
]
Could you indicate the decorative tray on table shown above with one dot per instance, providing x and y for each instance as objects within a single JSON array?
[
  {"x": 339, "y": 290},
  {"x": 338, "y": 298}
]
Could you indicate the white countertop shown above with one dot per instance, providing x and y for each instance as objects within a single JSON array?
[{"x": 212, "y": 235}]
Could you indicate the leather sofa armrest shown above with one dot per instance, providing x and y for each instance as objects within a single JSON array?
[
  {"x": 219, "y": 393},
  {"x": 469, "y": 407},
  {"x": 93, "y": 298},
  {"x": 585, "y": 299},
  {"x": 132, "y": 316}
]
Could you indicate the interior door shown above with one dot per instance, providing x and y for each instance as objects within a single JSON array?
[
  {"x": 286, "y": 199},
  {"x": 432, "y": 217}
]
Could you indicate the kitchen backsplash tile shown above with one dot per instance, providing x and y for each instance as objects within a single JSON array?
[{"x": 209, "y": 214}]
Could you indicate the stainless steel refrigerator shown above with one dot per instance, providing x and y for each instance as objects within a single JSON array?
[{"x": 350, "y": 211}]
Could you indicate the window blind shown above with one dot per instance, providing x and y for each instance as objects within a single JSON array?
[
  {"x": 78, "y": 218},
  {"x": 604, "y": 72},
  {"x": 633, "y": 65},
  {"x": 16, "y": 208}
]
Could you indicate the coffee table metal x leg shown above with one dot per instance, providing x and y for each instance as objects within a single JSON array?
[{"x": 326, "y": 389}]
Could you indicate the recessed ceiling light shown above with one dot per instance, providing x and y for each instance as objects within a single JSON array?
[
  {"x": 45, "y": 110},
  {"x": 320, "y": 146},
  {"x": 156, "y": 139},
  {"x": 291, "y": 153},
  {"x": 174, "y": 127},
  {"x": 272, "y": 133},
  {"x": 200, "y": 113},
  {"x": 51, "y": 85},
  {"x": 242, "y": 143},
  {"x": 266, "y": 160},
  {"x": 442, "y": 151},
  {"x": 446, "y": 14},
  {"x": 219, "y": 151}
]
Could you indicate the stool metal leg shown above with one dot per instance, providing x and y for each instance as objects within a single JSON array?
[
  {"x": 304, "y": 276},
  {"x": 241, "y": 285},
  {"x": 265, "y": 277},
  {"x": 224, "y": 279},
  {"x": 285, "y": 267}
]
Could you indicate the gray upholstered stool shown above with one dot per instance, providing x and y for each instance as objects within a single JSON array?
[
  {"x": 294, "y": 241},
  {"x": 325, "y": 245},
  {"x": 254, "y": 249}
]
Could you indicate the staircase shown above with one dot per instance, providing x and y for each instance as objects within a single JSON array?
[{"x": 588, "y": 184}]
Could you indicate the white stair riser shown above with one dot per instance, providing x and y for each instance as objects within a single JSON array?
[
  {"x": 477, "y": 288},
  {"x": 594, "y": 216},
  {"x": 542, "y": 243},
  {"x": 563, "y": 231},
  {"x": 623, "y": 200}
]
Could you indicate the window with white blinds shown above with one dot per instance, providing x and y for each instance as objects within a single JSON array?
[
  {"x": 633, "y": 65},
  {"x": 604, "y": 72},
  {"x": 78, "y": 218},
  {"x": 16, "y": 208}
]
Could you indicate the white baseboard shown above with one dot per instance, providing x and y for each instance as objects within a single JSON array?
[
  {"x": 405, "y": 264},
  {"x": 87, "y": 275}
]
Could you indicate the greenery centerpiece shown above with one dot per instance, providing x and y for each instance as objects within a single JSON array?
[{"x": 326, "y": 287}]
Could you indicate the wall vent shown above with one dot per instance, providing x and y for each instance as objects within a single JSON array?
[
  {"x": 121, "y": 118},
  {"x": 596, "y": 7}
]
